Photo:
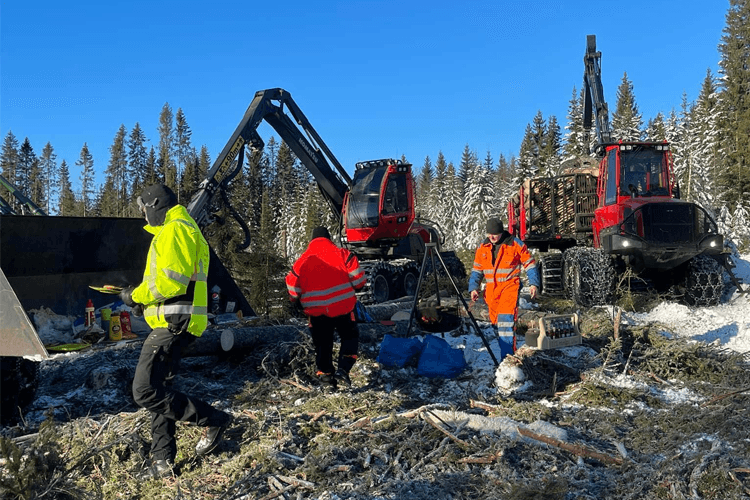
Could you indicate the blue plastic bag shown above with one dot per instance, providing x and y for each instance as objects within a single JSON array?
[
  {"x": 439, "y": 359},
  {"x": 397, "y": 352}
]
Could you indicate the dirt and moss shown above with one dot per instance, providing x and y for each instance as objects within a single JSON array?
[{"x": 642, "y": 416}]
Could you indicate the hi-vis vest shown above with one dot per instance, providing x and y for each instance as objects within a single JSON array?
[
  {"x": 174, "y": 291},
  {"x": 324, "y": 279},
  {"x": 512, "y": 255}
]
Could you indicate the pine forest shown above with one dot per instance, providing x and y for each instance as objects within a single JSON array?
[{"x": 281, "y": 202}]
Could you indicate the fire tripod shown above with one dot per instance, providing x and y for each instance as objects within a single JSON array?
[{"x": 431, "y": 252}]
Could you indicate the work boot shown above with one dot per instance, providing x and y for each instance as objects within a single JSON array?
[
  {"x": 327, "y": 381},
  {"x": 210, "y": 438},
  {"x": 155, "y": 470},
  {"x": 343, "y": 377}
]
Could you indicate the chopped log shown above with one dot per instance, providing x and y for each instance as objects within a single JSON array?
[
  {"x": 244, "y": 338},
  {"x": 579, "y": 450},
  {"x": 429, "y": 416},
  {"x": 385, "y": 310}
]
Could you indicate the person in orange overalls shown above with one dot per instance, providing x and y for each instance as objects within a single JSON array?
[
  {"x": 323, "y": 281},
  {"x": 499, "y": 260}
]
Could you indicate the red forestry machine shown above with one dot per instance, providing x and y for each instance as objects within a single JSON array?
[
  {"x": 375, "y": 208},
  {"x": 593, "y": 225}
]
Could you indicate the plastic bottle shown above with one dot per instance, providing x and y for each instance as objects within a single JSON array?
[
  {"x": 89, "y": 314},
  {"x": 115, "y": 331}
]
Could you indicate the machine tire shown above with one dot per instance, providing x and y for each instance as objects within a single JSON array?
[
  {"x": 380, "y": 286},
  {"x": 408, "y": 278},
  {"x": 589, "y": 275},
  {"x": 704, "y": 281}
]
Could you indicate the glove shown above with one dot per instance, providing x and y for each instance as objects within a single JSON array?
[
  {"x": 137, "y": 310},
  {"x": 126, "y": 295}
]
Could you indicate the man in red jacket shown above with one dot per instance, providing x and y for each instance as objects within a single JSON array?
[{"x": 323, "y": 280}]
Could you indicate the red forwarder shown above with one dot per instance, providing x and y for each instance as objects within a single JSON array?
[{"x": 593, "y": 225}]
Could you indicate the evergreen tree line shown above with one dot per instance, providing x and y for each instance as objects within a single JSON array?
[
  {"x": 280, "y": 201},
  {"x": 131, "y": 167}
]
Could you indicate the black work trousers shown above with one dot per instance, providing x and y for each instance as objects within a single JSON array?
[
  {"x": 157, "y": 366},
  {"x": 322, "y": 329}
]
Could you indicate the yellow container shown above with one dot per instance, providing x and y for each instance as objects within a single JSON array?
[{"x": 115, "y": 329}]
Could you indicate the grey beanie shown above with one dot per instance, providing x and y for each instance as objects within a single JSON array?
[
  {"x": 320, "y": 232},
  {"x": 494, "y": 226}
]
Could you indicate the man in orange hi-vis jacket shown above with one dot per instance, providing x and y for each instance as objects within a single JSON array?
[
  {"x": 323, "y": 280},
  {"x": 499, "y": 260}
]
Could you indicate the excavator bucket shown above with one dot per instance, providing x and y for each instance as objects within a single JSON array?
[{"x": 52, "y": 262}]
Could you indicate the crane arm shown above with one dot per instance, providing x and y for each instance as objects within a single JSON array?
[
  {"x": 594, "y": 95},
  {"x": 25, "y": 200},
  {"x": 301, "y": 138}
]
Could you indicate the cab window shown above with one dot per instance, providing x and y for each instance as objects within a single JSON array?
[{"x": 610, "y": 192}]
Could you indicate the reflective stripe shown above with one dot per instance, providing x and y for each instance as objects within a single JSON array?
[
  {"x": 179, "y": 278},
  {"x": 306, "y": 302},
  {"x": 327, "y": 291},
  {"x": 297, "y": 290},
  {"x": 355, "y": 273},
  {"x": 152, "y": 288},
  {"x": 356, "y": 283},
  {"x": 184, "y": 309},
  {"x": 200, "y": 275}
]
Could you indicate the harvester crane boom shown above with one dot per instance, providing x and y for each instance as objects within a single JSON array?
[
  {"x": 26, "y": 203},
  {"x": 301, "y": 138},
  {"x": 594, "y": 96}
]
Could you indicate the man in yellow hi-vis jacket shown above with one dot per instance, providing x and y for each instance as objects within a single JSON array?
[{"x": 173, "y": 299}]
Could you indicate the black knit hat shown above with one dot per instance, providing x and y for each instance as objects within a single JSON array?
[
  {"x": 320, "y": 232},
  {"x": 157, "y": 200},
  {"x": 494, "y": 226}
]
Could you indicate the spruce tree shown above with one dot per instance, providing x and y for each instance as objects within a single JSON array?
[
  {"x": 9, "y": 166},
  {"x": 137, "y": 160},
  {"x": 26, "y": 162},
  {"x": 86, "y": 163},
  {"x": 166, "y": 151},
  {"x": 528, "y": 158},
  {"x": 48, "y": 164},
  {"x": 468, "y": 160},
  {"x": 627, "y": 121},
  {"x": 115, "y": 192},
  {"x": 735, "y": 103},
  {"x": 67, "y": 201},
  {"x": 573, "y": 146},
  {"x": 438, "y": 203},
  {"x": 477, "y": 206},
  {"x": 703, "y": 136},
  {"x": 538, "y": 138},
  {"x": 37, "y": 185},
  {"x": 551, "y": 147},
  {"x": 151, "y": 172},
  {"x": 423, "y": 192},
  {"x": 453, "y": 194},
  {"x": 184, "y": 151}
]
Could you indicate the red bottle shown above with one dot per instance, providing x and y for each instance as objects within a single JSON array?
[{"x": 89, "y": 312}]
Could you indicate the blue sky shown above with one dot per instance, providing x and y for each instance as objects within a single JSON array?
[{"x": 376, "y": 79}]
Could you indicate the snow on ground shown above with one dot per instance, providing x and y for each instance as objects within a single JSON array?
[{"x": 727, "y": 324}]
